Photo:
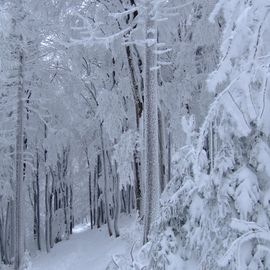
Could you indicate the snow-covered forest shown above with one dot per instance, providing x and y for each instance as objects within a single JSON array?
[{"x": 134, "y": 134}]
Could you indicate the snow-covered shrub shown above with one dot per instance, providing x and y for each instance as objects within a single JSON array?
[
  {"x": 237, "y": 180},
  {"x": 135, "y": 260},
  {"x": 169, "y": 235},
  {"x": 124, "y": 155},
  {"x": 164, "y": 250},
  {"x": 218, "y": 207}
]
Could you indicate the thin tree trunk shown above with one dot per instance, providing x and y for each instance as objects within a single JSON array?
[
  {"x": 129, "y": 198},
  {"x": 50, "y": 205},
  {"x": 37, "y": 204},
  {"x": 211, "y": 146},
  {"x": 90, "y": 199},
  {"x": 71, "y": 220},
  {"x": 124, "y": 199},
  {"x": 169, "y": 157},
  {"x": 2, "y": 248},
  {"x": 161, "y": 151},
  {"x": 107, "y": 213},
  {"x": 66, "y": 211},
  {"x": 6, "y": 235},
  {"x": 10, "y": 218},
  {"x": 99, "y": 210},
  {"x": 19, "y": 197},
  {"x": 47, "y": 239},
  {"x": 90, "y": 190},
  {"x": 95, "y": 196},
  {"x": 117, "y": 202}
]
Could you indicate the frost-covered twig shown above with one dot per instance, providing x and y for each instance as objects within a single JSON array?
[
  {"x": 236, "y": 245},
  {"x": 210, "y": 116},
  {"x": 124, "y": 13}
]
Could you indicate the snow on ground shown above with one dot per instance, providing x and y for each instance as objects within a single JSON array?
[{"x": 86, "y": 250}]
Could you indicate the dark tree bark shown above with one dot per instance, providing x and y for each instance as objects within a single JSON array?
[{"x": 106, "y": 191}]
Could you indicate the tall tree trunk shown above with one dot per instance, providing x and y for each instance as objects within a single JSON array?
[
  {"x": 2, "y": 247},
  {"x": 117, "y": 202},
  {"x": 37, "y": 204},
  {"x": 162, "y": 163},
  {"x": 11, "y": 226},
  {"x": 19, "y": 191},
  {"x": 6, "y": 235},
  {"x": 90, "y": 190},
  {"x": 95, "y": 199},
  {"x": 138, "y": 114},
  {"x": 90, "y": 199},
  {"x": 47, "y": 238},
  {"x": 123, "y": 195},
  {"x": 151, "y": 123},
  {"x": 50, "y": 210},
  {"x": 106, "y": 191},
  {"x": 169, "y": 157},
  {"x": 71, "y": 219},
  {"x": 116, "y": 196},
  {"x": 137, "y": 98},
  {"x": 47, "y": 241},
  {"x": 211, "y": 145}
]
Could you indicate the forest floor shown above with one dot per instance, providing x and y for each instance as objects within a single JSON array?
[{"x": 85, "y": 250}]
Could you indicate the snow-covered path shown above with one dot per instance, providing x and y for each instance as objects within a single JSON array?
[{"x": 86, "y": 250}]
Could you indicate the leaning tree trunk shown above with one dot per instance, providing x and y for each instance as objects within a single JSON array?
[{"x": 151, "y": 124}]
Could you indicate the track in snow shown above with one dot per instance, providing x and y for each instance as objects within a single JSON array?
[{"x": 86, "y": 250}]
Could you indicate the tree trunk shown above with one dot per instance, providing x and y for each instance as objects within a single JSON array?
[
  {"x": 211, "y": 146},
  {"x": 6, "y": 233},
  {"x": 138, "y": 114},
  {"x": 71, "y": 219},
  {"x": 161, "y": 151},
  {"x": 90, "y": 199},
  {"x": 137, "y": 98},
  {"x": 2, "y": 248},
  {"x": 95, "y": 202},
  {"x": 37, "y": 204},
  {"x": 90, "y": 190},
  {"x": 106, "y": 191},
  {"x": 12, "y": 228},
  {"x": 151, "y": 124},
  {"x": 19, "y": 196},
  {"x": 169, "y": 157},
  {"x": 117, "y": 202},
  {"x": 50, "y": 206},
  {"x": 47, "y": 239}
]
